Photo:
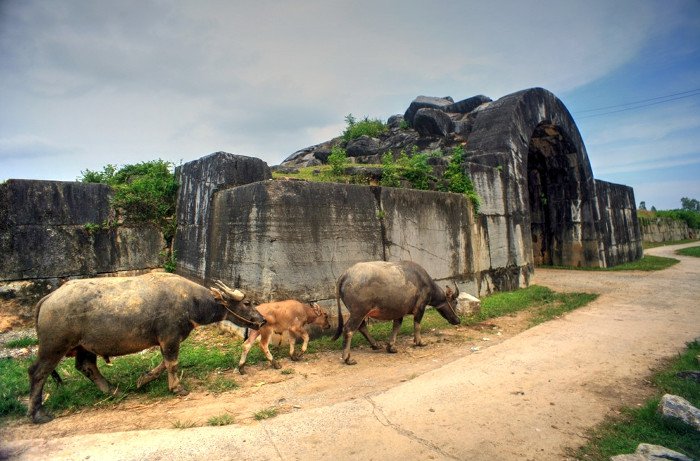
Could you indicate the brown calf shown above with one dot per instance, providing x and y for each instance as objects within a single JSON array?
[{"x": 284, "y": 316}]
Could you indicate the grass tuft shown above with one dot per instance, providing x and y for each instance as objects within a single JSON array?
[
  {"x": 221, "y": 420},
  {"x": 267, "y": 413},
  {"x": 21, "y": 342},
  {"x": 690, "y": 251}
]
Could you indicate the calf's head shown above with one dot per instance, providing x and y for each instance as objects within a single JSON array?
[
  {"x": 322, "y": 317},
  {"x": 238, "y": 310},
  {"x": 448, "y": 308}
]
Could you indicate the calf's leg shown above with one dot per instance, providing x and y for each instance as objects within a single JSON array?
[
  {"x": 252, "y": 335},
  {"x": 265, "y": 335}
]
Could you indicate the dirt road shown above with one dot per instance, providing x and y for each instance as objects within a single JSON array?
[{"x": 526, "y": 396}]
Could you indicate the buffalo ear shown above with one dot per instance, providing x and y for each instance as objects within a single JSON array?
[
  {"x": 218, "y": 295},
  {"x": 448, "y": 292}
]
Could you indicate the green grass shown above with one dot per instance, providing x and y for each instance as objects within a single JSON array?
[
  {"x": 622, "y": 434},
  {"x": 203, "y": 362},
  {"x": 221, "y": 420},
  {"x": 647, "y": 245},
  {"x": 647, "y": 263},
  {"x": 324, "y": 173},
  {"x": 266, "y": 413},
  {"x": 691, "y": 251},
  {"x": 21, "y": 342}
]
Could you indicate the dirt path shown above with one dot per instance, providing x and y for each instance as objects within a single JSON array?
[{"x": 521, "y": 395}]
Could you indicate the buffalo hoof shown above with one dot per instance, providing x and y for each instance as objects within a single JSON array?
[
  {"x": 390, "y": 348},
  {"x": 295, "y": 357},
  {"x": 241, "y": 369},
  {"x": 41, "y": 416},
  {"x": 276, "y": 365},
  {"x": 181, "y": 391},
  {"x": 350, "y": 361}
]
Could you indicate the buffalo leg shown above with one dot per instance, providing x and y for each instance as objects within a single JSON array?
[
  {"x": 150, "y": 375},
  {"x": 417, "y": 341},
  {"x": 38, "y": 372},
  {"x": 365, "y": 332},
  {"x": 390, "y": 347},
  {"x": 252, "y": 335},
  {"x": 352, "y": 325},
  {"x": 265, "y": 335},
  {"x": 170, "y": 353},
  {"x": 86, "y": 363}
]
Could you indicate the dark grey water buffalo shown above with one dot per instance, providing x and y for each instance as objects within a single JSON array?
[
  {"x": 389, "y": 291},
  {"x": 122, "y": 315}
]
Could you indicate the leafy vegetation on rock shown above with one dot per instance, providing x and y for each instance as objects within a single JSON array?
[
  {"x": 145, "y": 192},
  {"x": 365, "y": 127}
]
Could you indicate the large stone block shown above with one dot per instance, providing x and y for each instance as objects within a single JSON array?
[
  {"x": 44, "y": 235},
  {"x": 288, "y": 239},
  {"x": 429, "y": 228},
  {"x": 199, "y": 180}
]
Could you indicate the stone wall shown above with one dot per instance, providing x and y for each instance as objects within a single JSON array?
[
  {"x": 655, "y": 230},
  {"x": 199, "y": 180},
  {"x": 618, "y": 229},
  {"x": 291, "y": 239}
]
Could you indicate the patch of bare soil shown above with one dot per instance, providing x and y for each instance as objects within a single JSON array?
[{"x": 318, "y": 380}]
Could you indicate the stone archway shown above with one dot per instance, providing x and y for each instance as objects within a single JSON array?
[
  {"x": 555, "y": 196},
  {"x": 529, "y": 164}
]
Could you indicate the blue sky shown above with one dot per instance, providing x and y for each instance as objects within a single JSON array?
[{"x": 87, "y": 83}]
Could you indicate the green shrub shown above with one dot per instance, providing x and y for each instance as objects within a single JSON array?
[
  {"x": 365, "y": 127},
  {"x": 390, "y": 171},
  {"x": 338, "y": 160},
  {"x": 415, "y": 169},
  {"x": 457, "y": 181},
  {"x": 143, "y": 193}
]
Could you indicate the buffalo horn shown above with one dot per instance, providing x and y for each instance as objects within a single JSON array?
[
  {"x": 236, "y": 295},
  {"x": 456, "y": 289}
]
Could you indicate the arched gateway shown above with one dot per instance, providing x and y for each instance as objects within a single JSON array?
[{"x": 530, "y": 165}]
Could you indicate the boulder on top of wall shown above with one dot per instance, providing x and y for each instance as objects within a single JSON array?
[
  {"x": 394, "y": 122},
  {"x": 364, "y": 145},
  {"x": 432, "y": 122},
  {"x": 422, "y": 102},
  {"x": 467, "y": 105}
]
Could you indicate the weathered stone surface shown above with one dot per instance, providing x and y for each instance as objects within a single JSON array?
[
  {"x": 678, "y": 408},
  {"x": 666, "y": 230},
  {"x": 286, "y": 239},
  {"x": 425, "y": 101},
  {"x": 290, "y": 239},
  {"x": 465, "y": 106},
  {"x": 394, "y": 122},
  {"x": 617, "y": 228},
  {"x": 43, "y": 233},
  {"x": 649, "y": 452},
  {"x": 432, "y": 122},
  {"x": 199, "y": 180},
  {"x": 364, "y": 145}
]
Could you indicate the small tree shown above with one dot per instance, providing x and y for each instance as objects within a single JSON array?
[{"x": 338, "y": 160}]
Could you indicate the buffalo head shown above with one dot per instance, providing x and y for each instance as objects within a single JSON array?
[
  {"x": 240, "y": 312},
  {"x": 448, "y": 308}
]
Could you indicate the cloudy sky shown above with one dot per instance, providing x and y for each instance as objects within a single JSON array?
[{"x": 88, "y": 83}]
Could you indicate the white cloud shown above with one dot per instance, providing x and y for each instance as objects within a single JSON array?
[{"x": 136, "y": 80}]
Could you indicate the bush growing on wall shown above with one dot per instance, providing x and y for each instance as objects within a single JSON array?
[
  {"x": 145, "y": 192},
  {"x": 368, "y": 127}
]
